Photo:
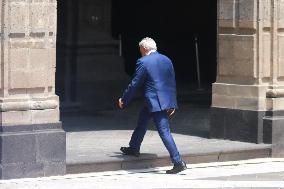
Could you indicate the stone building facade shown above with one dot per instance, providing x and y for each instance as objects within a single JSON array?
[
  {"x": 248, "y": 96},
  {"x": 247, "y": 99},
  {"x": 32, "y": 142}
]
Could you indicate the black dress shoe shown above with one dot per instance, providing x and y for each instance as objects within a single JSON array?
[
  {"x": 129, "y": 151},
  {"x": 177, "y": 168}
]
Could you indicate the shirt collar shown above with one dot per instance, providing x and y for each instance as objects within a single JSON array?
[{"x": 151, "y": 51}]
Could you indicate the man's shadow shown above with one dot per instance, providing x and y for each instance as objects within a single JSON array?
[
  {"x": 145, "y": 163},
  {"x": 142, "y": 156}
]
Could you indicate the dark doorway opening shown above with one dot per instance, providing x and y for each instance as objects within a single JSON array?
[
  {"x": 174, "y": 25},
  {"x": 89, "y": 30},
  {"x": 88, "y": 33}
]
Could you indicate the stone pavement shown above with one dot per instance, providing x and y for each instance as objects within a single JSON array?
[
  {"x": 92, "y": 151},
  {"x": 254, "y": 173},
  {"x": 94, "y": 139}
]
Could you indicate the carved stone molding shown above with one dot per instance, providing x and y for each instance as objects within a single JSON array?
[
  {"x": 275, "y": 93},
  {"x": 28, "y": 105}
]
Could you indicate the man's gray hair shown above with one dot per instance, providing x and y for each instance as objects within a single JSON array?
[{"x": 148, "y": 43}]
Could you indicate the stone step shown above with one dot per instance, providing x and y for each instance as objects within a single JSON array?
[
  {"x": 106, "y": 157},
  {"x": 151, "y": 161}
]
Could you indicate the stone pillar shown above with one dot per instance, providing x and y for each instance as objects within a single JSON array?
[
  {"x": 32, "y": 142},
  {"x": 248, "y": 96},
  {"x": 100, "y": 77}
]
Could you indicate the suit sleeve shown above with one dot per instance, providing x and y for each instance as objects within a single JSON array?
[{"x": 136, "y": 82}]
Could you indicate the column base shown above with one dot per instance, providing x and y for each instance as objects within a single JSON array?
[
  {"x": 239, "y": 125},
  {"x": 32, "y": 150},
  {"x": 273, "y": 130}
]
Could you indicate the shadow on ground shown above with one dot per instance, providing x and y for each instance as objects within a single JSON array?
[{"x": 192, "y": 117}]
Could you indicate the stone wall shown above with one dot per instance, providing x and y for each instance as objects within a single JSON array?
[
  {"x": 250, "y": 59},
  {"x": 32, "y": 142},
  {"x": 28, "y": 46},
  {"x": 250, "y": 76}
]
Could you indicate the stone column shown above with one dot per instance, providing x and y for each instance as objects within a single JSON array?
[
  {"x": 248, "y": 96},
  {"x": 32, "y": 142}
]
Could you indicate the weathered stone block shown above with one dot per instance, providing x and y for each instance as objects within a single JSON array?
[
  {"x": 247, "y": 91},
  {"x": 220, "y": 89},
  {"x": 217, "y": 123},
  {"x": 225, "y": 53},
  {"x": 45, "y": 116},
  {"x": 239, "y": 125},
  {"x": 52, "y": 57},
  {"x": 50, "y": 146},
  {"x": 52, "y": 68},
  {"x": 227, "y": 13},
  {"x": 39, "y": 64},
  {"x": 23, "y": 145},
  {"x": 32, "y": 151},
  {"x": 51, "y": 78},
  {"x": 37, "y": 78},
  {"x": 237, "y": 55},
  {"x": 16, "y": 118},
  {"x": 39, "y": 59},
  {"x": 222, "y": 101},
  {"x": 51, "y": 17},
  {"x": 273, "y": 131},
  {"x": 266, "y": 13},
  {"x": 28, "y": 149},
  {"x": 19, "y": 59},
  {"x": 281, "y": 14},
  {"x": 281, "y": 55},
  {"x": 247, "y": 97},
  {"x": 14, "y": 171},
  {"x": 54, "y": 168},
  {"x": 277, "y": 104},
  {"x": 247, "y": 14},
  {"x": 266, "y": 54},
  {"x": 18, "y": 15},
  {"x": 18, "y": 79},
  {"x": 244, "y": 56},
  {"x": 38, "y": 17},
  {"x": 244, "y": 103},
  {"x": 236, "y": 90}
]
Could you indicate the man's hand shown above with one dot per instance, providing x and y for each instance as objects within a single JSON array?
[
  {"x": 120, "y": 103},
  {"x": 171, "y": 111}
]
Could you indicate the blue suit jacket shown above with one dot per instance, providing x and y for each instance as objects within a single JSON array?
[{"x": 155, "y": 74}]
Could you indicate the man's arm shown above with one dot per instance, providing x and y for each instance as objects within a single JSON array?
[{"x": 137, "y": 81}]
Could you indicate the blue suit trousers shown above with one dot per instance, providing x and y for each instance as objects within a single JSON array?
[{"x": 161, "y": 121}]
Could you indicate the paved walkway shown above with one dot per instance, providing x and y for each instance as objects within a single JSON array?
[
  {"x": 254, "y": 173},
  {"x": 99, "y": 151},
  {"x": 94, "y": 139}
]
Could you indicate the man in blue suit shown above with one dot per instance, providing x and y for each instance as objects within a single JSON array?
[{"x": 155, "y": 74}]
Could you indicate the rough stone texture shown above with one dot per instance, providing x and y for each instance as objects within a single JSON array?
[
  {"x": 246, "y": 97},
  {"x": 27, "y": 44},
  {"x": 274, "y": 133},
  {"x": 247, "y": 14},
  {"x": 250, "y": 71},
  {"x": 281, "y": 55},
  {"x": 27, "y": 98},
  {"x": 32, "y": 151},
  {"x": 234, "y": 124},
  {"x": 227, "y": 13},
  {"x": 230, "y": 61}
]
